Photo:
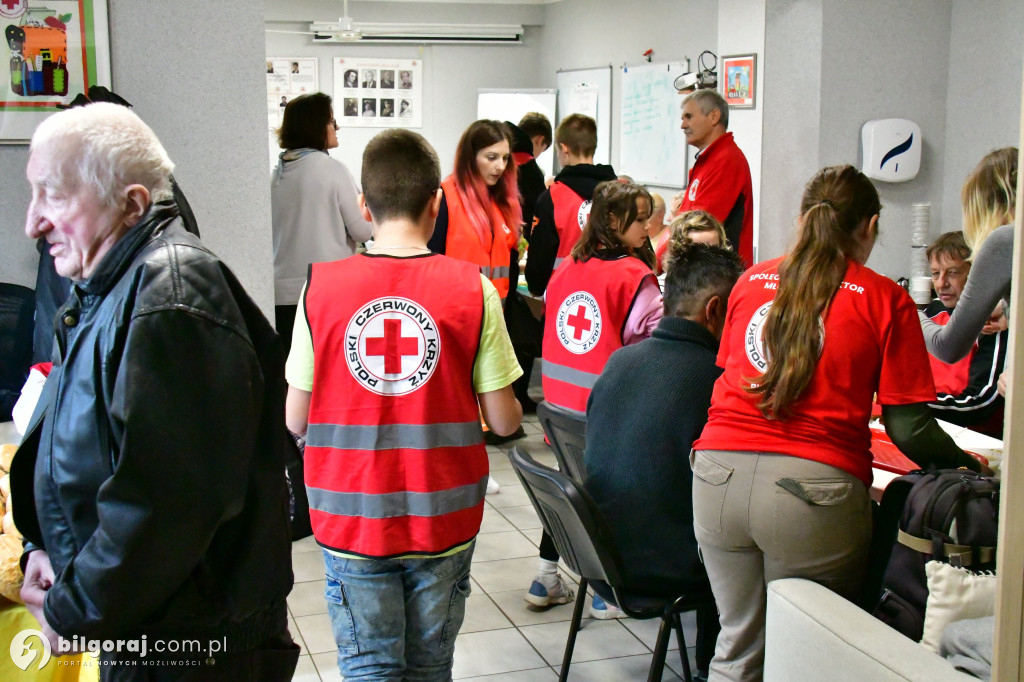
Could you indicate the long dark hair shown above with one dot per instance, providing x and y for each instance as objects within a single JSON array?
[
  {"x": 611, "y": 199},
  {"x": 836, "y": 202}
]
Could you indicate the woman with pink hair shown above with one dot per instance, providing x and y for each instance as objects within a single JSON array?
[{"x": 480, "y": 218}]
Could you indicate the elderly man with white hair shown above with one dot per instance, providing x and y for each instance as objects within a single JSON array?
[{"x": 150, "y": 485}]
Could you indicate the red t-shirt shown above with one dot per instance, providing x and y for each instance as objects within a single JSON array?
[
  {"x": 951, "y": 378},
  {"x": 872, "y": 344}
]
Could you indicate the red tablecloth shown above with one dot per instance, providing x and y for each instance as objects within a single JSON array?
[{"x": 887, "y": 456}]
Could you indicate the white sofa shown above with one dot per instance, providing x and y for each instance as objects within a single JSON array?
[{"x": 815, "y": 635}]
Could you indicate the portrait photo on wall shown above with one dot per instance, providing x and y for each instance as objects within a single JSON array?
[
  {"x": 739, "y": 75},
  {"x": 389, "y": 92}
]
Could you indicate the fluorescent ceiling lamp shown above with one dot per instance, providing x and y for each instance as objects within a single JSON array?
[{"x": 416, "y": 33}]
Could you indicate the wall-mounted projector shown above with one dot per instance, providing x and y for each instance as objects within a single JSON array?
[{"x": 891, "y": 149}]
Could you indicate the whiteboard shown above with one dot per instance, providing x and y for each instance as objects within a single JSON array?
[
  {"x": 589, "y": 92},
  {"x": 652, "y": 145},
  {"x": 510, "y": 105}
]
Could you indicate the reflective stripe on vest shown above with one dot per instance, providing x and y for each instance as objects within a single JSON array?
[
  {"x": 389, "y": 436},
  {"x": 569, "y": 375},
  {"x": 404, "y": 503},
  {"x": 463, "y": 242},
  {"x": 494, "y": 273}
]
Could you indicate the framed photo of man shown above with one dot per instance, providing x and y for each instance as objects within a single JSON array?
[{"x": 739, "y": 76}]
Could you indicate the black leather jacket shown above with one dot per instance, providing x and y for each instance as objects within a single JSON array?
[{"x": 153, "y": 470}]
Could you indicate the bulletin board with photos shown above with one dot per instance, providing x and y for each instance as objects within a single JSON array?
[
  {"x": 378, "y": 93},
  {"x": 287, "y": 78}
]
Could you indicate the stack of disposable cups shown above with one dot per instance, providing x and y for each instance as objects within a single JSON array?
[{"x": 920, "y": 280}]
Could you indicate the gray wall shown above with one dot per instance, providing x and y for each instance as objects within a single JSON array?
[
  {"x": 581, "y": 34},
  {"x": 792, "y": 116},
  {"x": 741, "y": 28},
  {"x": 832, "y": 65},
  {"x": 884, "y": 59},
  {"x": 193, "y": 71},
  {"x": 18, "y": 263},
  {"x": 986, "y": 57},
  {"x": 827, "y": 68},
  {"x": 452, "y": 73}
]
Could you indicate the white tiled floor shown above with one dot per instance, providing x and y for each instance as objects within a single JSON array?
[{"x": 503, "y": 639}]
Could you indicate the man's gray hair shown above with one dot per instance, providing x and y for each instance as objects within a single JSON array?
[
  {"x": 106, "y": 147},
  {"x": 708, "y": 101}
]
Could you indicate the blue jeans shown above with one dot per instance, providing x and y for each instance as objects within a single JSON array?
[{"x": 397, "y": 619}]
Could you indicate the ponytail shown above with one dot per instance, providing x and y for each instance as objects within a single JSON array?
[{"x": 836, "y": 202}]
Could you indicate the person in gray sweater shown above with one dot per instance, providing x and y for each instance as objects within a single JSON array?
[
  {"x": 314, "y": 203},
  {"x": 636, "y": 453}
]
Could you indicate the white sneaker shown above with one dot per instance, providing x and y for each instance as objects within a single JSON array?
[
  {"x": 492, "y": 486},
  {"x": 602, "y": 610},
  {"x": 540, "y": 594}
]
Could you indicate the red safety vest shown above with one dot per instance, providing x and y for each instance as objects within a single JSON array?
[
  {"x": 951, "y": 378},
  {"x": 587, "y": 304},
  {"x": 464, "y": 244},
  {"x": 395, "y": 461},
  {"x": 571, "y": 213},
  {"x": 521, "y": 157}
]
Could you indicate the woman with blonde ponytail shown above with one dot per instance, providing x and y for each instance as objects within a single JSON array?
[
  {"x": 989, "y": 199},
  {"x": 783, "y": 468}
]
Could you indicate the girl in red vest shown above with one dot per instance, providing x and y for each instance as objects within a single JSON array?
[
  {"x": 600, "y": 299},
  {"x": 480, "y": 218},
  {"x": 783, "y": 467}
]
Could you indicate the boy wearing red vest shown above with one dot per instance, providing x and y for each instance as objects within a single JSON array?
[
  {"x": 562, "y": 210},
  {"x": 391, "y": 352}
]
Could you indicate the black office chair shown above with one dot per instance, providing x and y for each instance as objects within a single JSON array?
[
  {"x": 567, "y": 436},
  {"x": 585, "y": 543}
]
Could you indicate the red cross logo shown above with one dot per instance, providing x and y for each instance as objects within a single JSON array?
[
  {"x": 579, "y": 323},
  {"x": 10, "y": 5},
  {"x": 392, "y": 346}
]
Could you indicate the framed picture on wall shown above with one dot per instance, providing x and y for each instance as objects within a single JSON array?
[
  {"x": 55, "y": 50},
  {"x": 739, "y": 76}
]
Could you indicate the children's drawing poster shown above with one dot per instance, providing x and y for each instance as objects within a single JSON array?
[
  {"x": 54, "y": 50},
  {"x": 378, "y": 93},
  {"x": 287, "y": 78}
]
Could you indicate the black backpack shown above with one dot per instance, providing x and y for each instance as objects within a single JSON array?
[{"x": 949, "y": 515}]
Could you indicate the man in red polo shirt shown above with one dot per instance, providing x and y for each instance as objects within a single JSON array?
[{"x": 720, "y": 179}]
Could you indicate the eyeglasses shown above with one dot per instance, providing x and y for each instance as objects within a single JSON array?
[{"x": 334, "y": 123}]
